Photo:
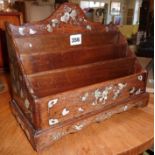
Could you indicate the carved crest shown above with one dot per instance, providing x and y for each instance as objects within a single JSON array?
[{"x": 67, "y": 18}]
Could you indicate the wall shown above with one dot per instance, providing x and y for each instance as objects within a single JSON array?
[
  {"x": 124, "y": 7},
  {"x": 123, "y": 10},
  {"x": 75, "y": 1},
  {"x": 126, "y": 4},
  {"x": 131, "y": 3},
  {"x": 35, "y": 10}
]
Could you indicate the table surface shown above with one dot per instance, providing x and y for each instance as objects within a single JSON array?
[{"x": 130, "y": 132}]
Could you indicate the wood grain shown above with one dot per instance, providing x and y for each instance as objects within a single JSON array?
[
  {"x": 130, "y": 132},
  {"x": 61, "y": 80},
  {"x": 66, "y": 58},
  {"x": 55, "y": 35}
]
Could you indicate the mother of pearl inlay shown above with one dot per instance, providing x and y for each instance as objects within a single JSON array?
[
  {"x": 27, "y": 103},
  {"x": 80, "y": 109},
  {"x": 51, "y": 103},
  {"x": 65, "y": 17},
  {"x": 65, "y": 112},
  {"x": 85, "y": 97},
  {"x": 132, "y": 90},
  {"x": 78, "y": 127},
  {"x": 88, "y": 27},
  {"x": 30, "y": 45},
  {"x": 138, "y": 91},
  {"x": 31, "y": 31},
  {"x": 21, "y": 31},
  {"x": 140, "y": 78},
  {"x": 53, "y": 121},
  {"x": 125, "y": 108},
  {"x": 49, "y": 28}
]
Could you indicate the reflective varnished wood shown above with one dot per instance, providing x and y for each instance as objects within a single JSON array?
[
  {"x": 130, "y": 132},
  {"x": 68, "y": 72}
]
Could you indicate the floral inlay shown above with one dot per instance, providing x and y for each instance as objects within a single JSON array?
[
  {"x": 78, "y": 127},
  {"x": 65, "y": 112},
  {"x": 51, "y": 103},
  {"x": 84, "y": 98},
  {"x": 102, "y": 95},
  {"x": 118, "y": 89},
  {"x": 80, "y": 109},
  {"x": 53, "y": 121},
  {"x": 140, "y": 78},
  {"x": 27, "y": 103}
]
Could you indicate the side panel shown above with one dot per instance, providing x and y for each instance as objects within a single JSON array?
[
  {"x": 40, "y": 140},
  {"x": 49, "y": 137},
  {"x": 61, "y": 108},
  {"x": 19, "y": 85}
]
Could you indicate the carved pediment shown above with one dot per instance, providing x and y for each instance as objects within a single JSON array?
[{"x": 67, "y": 18}]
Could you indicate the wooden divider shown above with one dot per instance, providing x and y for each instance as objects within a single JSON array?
[
  {"x": 56, "y": 81},
  {"x": 72, "y": 57}
]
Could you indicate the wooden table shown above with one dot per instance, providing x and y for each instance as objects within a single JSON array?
[{"x": 130, "y": 132}]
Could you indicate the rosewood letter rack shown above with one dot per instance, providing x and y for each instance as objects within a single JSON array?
[{"x": 68, "y": 72}]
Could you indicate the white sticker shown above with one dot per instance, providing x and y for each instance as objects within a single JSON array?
[{"x": 75, "y": 39}]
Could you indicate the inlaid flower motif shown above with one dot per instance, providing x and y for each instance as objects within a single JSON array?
[
  {"x": 88, "y": 27},
  {"x": 21, "y": 31},
  {"x": 122, "y": 85},
  {"x": 57, "y": 136},
  {"x": 51, "y": 103},
  {"x": 31, "y": 31},
  {"x": 81, "y": 19},
  {"x": 27, "y": 103},
  {"x": 31, "y": 91},
  {"x": 65, "y": 18},
  {"x": 73, "y": 14},
  {"x": 132, "y": 90},
  {"x": 49, "y": 28},
  {"x": 85, "y": 97},
  {"x": 65, "y": 112},
  {"x": 140, "y": 78},
  {"x": 125, "y": 108},
  {"x": 116, "y": 94},
  {"x": 53, "y": 121},
  {"x": 54, "y": 22},
  {"x": 80, "y": 109},
  {"x": 118, "y": 89},
  {"x": 30, "y": 45},
  {"x": 67, "y": 9},
  {"x": 138, "y": 91},
  {"x": 97, "y": 94},
  {"x": 78, "y": 127},
  {"x": 102, "y": 96}
]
